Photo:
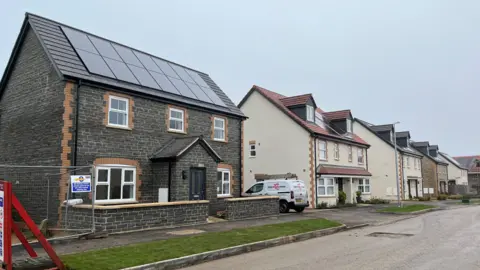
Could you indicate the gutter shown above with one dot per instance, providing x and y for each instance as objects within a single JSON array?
[{"x": 169, "y": 180}]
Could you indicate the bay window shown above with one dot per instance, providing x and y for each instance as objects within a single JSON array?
[{"x": 326, "y": 187}]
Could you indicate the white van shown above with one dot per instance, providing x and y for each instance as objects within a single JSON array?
[{"x": 292, "y": 193}]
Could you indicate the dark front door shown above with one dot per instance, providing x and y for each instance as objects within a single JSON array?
[
  {"x": 197, "y": 183},
  {"x": 340, "y": 184}
]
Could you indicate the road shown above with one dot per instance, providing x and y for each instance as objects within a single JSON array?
[{"x": 448, "y": 239}]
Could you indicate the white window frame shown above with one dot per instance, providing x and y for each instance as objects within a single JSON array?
[
  {"x": 350, "y": 153},
  {"x": 225, "y": 171},
  {"x": 326, "y": 186},
  {"x": 360, "y": 155},
  {"x": 324, "y": 150},
  {"x": 124, "y": 168},
  {"x": 349, "y": 125},
  {"x": 251, "y": 149},
  {"x": 182, "y": 120},
  {"x": 362, "y": 184},
  {"x": 336, "y": 151},
  {"x": 310, "y": 113},
  {"x": 110, "y": 109},
  {"x": 217, "y": 128}
]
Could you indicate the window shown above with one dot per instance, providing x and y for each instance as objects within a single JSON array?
[
  {"x": 223, "y": 182},
  {"x": 255, "y": 188},
  {"x": 336, "y": 151},
  {"x": 364, "y": 185},
  {"x": 360, "y": 155},
  {"x": 350, "y": 153},
  {"x": 310, "y": 113},
  {"x": 349, "y": 125},
  {"x": 319, "y": 120},
  {"x": 253, "y": 150},
  {"x": 118, "y": 112},
  {"x": 322, "y": 150},
  {"x": 391, "y": 137},
  {"x": 408, "y": 162},
  {"x": 176, "y": 120},
  {"x": 219, "y": 129},
  {"x": 325, "y": 187},
  {"x": 115, "y": 184}
]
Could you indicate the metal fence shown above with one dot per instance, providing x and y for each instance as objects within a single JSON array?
[{"x": 44, "y": 190}]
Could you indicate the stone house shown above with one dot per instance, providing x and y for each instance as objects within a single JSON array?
[
  {"x": 472, "y": 163},
  {"x": 457, "y": 175},
  {"x": 381, "y": 160},
  {"x": 293, "y": 135},
  {"x": 155, "y": 130},
  {"x": 434, "y": 169}
]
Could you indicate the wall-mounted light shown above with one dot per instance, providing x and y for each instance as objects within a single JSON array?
[{"x": 184, "y": 174}]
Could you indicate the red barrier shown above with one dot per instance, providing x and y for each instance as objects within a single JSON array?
[{"x": 7, "y": 201}]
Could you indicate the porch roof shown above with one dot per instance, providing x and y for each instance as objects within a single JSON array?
[
  {"x": 339, "y": 170},
  {"x": 176, "y": 147}
]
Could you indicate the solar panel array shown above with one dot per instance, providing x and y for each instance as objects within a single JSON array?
[{"x": 115, "y": 61}]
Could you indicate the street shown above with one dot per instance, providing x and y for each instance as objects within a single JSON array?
[{"x": 447, "y": 239}]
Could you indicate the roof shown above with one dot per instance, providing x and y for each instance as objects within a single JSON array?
[
  {"x": 420, "y": 144},
  {"x": 276, "y": 99},
  {"x": 402, "y": 134},
  {"x": 380, "y": 128},
  {"x": 469, "y": 163},
  {"x": 403, "y": 150},
  {"x": 337, "y": 115},
  {"x": 296, "y": 100},
  {"x": 338, "y": 170},
  {"x": 176, "y": 147},
  {"x": 434, "y": 147},
  {"x": 452, "y": 160},
  {"x": 73, "y": 63}
]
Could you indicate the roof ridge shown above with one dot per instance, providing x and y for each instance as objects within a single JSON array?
[
  {"x": 345, "y": 110},
  {"x": 28, "y": 15},
  {"x": 297, "y": 96}
]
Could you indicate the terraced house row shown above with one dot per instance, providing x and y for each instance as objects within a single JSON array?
[{"x": 166, "y": 139}]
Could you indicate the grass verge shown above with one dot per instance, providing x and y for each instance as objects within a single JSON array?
[
  {"x": 138, "y": 254},
  {"x": 406, "y": 208}
]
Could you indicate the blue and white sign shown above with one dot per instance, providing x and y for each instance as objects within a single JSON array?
[{"x": 81, "y": 183}]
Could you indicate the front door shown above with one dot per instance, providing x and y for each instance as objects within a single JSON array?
[
  {"x": 340, "y": 184},
  {"x": 197, "y": 184}
]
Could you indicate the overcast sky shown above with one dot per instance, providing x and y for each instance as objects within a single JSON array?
[{"x": 416, "y": 62}]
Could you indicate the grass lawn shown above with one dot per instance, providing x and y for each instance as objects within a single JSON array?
[
  {"x": 138, "y": 254},
  {"x": 406, "y": 208}
]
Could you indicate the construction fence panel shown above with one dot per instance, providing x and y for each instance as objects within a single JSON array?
[{"x": 44, "y": 191}]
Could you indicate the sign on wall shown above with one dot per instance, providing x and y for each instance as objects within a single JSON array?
[{"x": 81, "y": 183}]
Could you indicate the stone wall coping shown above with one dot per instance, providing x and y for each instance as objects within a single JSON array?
[
  {"x": 251, "y": 198},
  {"x": 139, "y": 205}
]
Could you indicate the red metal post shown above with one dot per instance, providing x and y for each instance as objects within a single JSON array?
[
  {"x": 23, "y": 240},
  {"x": 7, "y": 223}
]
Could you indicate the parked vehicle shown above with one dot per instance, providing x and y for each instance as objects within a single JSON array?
[{"x": 292, "y": 193}]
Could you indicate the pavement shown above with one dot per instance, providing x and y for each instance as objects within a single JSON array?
[
  {"x": 435, "y": 240},
  {"x": 349, "y": 216}
]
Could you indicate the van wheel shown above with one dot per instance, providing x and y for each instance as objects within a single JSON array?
[
  {"x": 284, "y": 207},
  {"x": 299, "y": 209}
]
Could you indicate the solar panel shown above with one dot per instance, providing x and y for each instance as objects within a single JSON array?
[
  {"x": 121, "y": 70},
  {"x": 147, "y": 61},
  {"x": 213, "y": 96},
  {"x": 182, "y": 73},
  {"x": 199, "y": 92},
  {"x": 166, "y": 68},
  {"x": 127, "y": 55},
  {"x": 95, "y": 63},
  {"x": 79, "y": 40},
  {"x": 112, "y": 60},
  {"x": 182, "y": 88},
  {"x": 164, "y": 82},
  {"x": 143, "y": 77},
  {"x": 105, "y": 48},
  {"x": 197, "y": 78}
]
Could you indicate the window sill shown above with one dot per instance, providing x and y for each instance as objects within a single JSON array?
[
  {"x": 326, "y": 196},
  {"x": 220, "y": 141},
  {"x": 224, "y": 196},
  {"x": 323, "y": 159},
  {"x": 251, "y": 157},
  {"x": 118, "y": 127},
  {"x": 176, "y": 131},
  {"x": 102, "y": 202},
  {"x": 367, "y": 193}
]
